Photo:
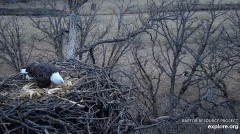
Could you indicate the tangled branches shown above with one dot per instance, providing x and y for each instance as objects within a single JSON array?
[{"x": 96, "y": 104}]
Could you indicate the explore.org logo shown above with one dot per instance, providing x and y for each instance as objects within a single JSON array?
[
  {"x": 218, "y": 126},
  {"x": 214, "y": 123}
]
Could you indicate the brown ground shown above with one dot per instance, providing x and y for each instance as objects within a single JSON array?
[{"x": 106, "y": 16}]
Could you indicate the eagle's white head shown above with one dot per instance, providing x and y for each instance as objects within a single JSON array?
[{"x": 56, "y": 78}]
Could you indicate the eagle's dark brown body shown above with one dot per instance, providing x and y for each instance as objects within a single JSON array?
[{"x": 42, "y": 73}]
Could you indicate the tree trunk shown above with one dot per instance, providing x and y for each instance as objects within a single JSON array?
[
  {"x": 73, "y": 6},
  {"x": 72, "y": 36}
]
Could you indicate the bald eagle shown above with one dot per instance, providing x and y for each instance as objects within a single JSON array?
[{"x": 43, "y": 73}]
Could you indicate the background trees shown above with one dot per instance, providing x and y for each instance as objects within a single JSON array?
[
  {"x": 12, "y": 40},
  {"x": 149, "y": 50}
]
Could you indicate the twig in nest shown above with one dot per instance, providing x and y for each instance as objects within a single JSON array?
[
  {"x": 81, "y": 106},
  {"x": 9, "y": 78}
]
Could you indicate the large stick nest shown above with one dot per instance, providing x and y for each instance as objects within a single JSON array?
[{"x": 96, "y": 103}]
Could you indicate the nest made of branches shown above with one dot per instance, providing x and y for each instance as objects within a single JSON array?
[{"x": 96, "y": 103}]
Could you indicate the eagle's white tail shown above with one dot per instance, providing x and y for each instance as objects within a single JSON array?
[
  {"x": 28, "y": 77},
  {"x": 56, "y": 78},
  {"x": 23, "y": 71}
]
